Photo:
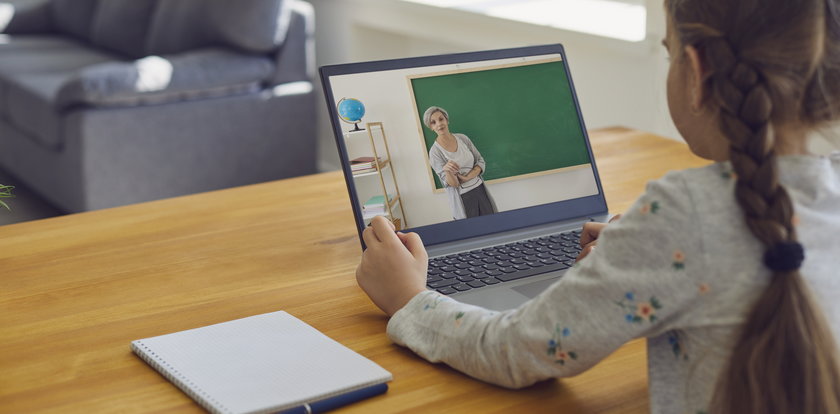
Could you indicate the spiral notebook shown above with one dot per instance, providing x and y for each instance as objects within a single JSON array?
[{"x": 261, "y": 364}]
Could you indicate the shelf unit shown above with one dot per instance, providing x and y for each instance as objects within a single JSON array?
[{"x": 377, "y": 142}]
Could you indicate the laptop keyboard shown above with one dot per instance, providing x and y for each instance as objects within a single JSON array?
[{"x": 485, "y": 267}]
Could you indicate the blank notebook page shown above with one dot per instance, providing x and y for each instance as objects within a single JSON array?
[{"x": 262, "y": 363}]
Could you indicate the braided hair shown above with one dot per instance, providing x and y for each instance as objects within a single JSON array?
[{"x": 772, "y": 65}]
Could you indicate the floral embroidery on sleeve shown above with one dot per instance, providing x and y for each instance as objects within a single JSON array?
[
  {"x": 458, "y": 318},
  {"x": 652, "y": 207},
  {"x": 434, "y": 304},
  {"x": 555, "y": 347},
  {"x": 679, "y": 260},
  {"x": 639, "y": 311},
  {"x": 676, "y": 345}
]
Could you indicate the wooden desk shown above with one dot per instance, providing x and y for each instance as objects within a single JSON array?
[{"x": 75, "y": 290}]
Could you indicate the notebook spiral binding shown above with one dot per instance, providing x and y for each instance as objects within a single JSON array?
[{"x": 172, "y": 374}]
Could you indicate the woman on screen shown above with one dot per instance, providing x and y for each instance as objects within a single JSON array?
[{"x": 459, "y": 166}]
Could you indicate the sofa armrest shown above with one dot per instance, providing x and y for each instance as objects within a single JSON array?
[
  {"x": 25, "y": 16},
  {"x": 197, "y": 74},
  {"x": 296, "y": 57}
]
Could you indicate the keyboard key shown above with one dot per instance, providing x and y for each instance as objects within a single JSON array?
[
  {"x": 442, "y": 283},
  {"x": 462, "y": 287},
  {"x": 522, "y": 266},
  {"x": 448, "y": 275},
  {"x": 433, "y": 278},
  {"x": 493, "y": 272},
  {"x": 491, "y": 267},
  {"x": 476, "y": 283},
  {"x": 490, "y": 280},
  {"x": 462, "y": 265},
  {"x": 447, "y": 290},
  {"x": 449, "y": 268},
  {"x": 462, "y": 272},
  {"x": 509, "y": 269}
]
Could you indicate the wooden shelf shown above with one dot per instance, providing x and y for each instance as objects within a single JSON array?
[
  {"x": 375, "y": 133},
  {"x": 382, "y": 165}
]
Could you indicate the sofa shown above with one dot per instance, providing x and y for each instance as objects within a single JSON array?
[{"x": 111, "y": 102}]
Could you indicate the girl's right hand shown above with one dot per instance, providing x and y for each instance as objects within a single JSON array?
[{"x": 589, "y": 236}]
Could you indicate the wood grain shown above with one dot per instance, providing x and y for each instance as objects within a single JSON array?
[{"x": 75, "y": 290}]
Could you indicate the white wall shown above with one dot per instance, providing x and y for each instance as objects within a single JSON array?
[{"x": 618, "y": 82}]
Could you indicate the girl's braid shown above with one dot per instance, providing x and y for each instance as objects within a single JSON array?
[{"x": 745, "y": 110}]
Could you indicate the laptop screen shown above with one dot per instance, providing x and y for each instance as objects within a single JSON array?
[{"x": 465, "y": 144}]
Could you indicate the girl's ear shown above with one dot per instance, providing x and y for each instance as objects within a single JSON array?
[{"x": 696, "y": 77}]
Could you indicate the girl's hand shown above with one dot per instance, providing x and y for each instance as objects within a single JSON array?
[
  {"x": 393, "y": 267},
  {"x": 589, "y": 236}
]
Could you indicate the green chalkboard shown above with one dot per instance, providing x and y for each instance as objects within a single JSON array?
[{"x": 522, "y": 119}]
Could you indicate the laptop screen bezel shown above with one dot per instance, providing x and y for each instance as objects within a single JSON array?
[{"x": 455, "y": 230}]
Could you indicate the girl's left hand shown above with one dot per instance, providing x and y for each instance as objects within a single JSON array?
[{"x": 393, "y": 267}]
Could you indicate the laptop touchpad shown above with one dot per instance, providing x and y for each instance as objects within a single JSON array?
[{"x": 533, "y": 289}]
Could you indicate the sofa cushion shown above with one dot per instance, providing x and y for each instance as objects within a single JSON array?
[
  {"x": 246, "y": 25},
  {"x": 27, "y": 16},
  {"x": 198, "y": 74},
  {"x": 32, "y": 70},
  {"x": 122, "y": 26},
  {"x": 73, "y": 17}
]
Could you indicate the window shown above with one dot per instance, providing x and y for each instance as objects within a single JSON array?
[{"x": 619, "y": 19}]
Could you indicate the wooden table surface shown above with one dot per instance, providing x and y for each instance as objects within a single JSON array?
[{"x": 76, "y": 289}]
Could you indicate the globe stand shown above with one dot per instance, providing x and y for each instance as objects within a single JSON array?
[{"x": 357, "y": 128}]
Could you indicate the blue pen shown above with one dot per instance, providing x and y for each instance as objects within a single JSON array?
[{"x": 338, "y": 401}]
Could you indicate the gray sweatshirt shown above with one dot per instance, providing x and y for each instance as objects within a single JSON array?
[{"x": 680, "y": 268}]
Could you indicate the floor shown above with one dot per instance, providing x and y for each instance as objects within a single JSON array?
[{"x": 26, "y": 205}]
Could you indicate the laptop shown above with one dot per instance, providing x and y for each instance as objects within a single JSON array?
[{"x": 495, "y": 239}]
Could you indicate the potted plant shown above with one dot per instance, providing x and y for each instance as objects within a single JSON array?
[{"x": 5, "y": 192}]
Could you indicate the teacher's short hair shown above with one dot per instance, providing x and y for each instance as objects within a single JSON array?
[{"x": 427, "y": 116}]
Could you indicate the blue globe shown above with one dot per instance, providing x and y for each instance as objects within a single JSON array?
[{"x": 351, "y": 110}]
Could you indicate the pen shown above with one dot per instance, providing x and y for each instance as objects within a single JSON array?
[{"x": 341, "y": 400}]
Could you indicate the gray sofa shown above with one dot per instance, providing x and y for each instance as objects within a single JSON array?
[{"x": 111, "y": 102}]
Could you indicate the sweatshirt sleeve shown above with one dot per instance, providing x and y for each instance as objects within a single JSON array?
[
  {"x": 479, "y": 160},
  {"x": 641, "y": 280},
  {"x": 438, "y": 160}
]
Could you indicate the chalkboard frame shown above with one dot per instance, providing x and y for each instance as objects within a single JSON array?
[{"x": 435, "y": 184}]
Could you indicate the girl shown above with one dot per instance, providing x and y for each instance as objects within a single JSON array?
[{"x": 735, "y": 293}]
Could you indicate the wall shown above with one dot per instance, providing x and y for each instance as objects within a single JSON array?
[{"x": 618, "y": 82}]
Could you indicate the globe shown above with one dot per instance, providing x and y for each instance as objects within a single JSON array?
[{"x": 351, "y": 110}]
